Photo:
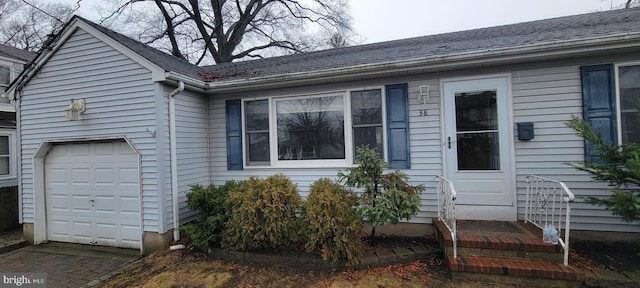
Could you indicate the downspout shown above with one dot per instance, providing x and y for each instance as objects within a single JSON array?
[{"x": 174, "y": 162}]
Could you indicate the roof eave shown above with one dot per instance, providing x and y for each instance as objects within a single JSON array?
[{"x": 540, "y": 51}]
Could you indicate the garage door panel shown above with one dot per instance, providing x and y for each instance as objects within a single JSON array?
[
  {"x": 104, "y": 175},
  {"x": 106, "y": 205},
  {"x": 58, "y": 202},
  {"x": 77, "y": 150},
  {"x": 60, "y": 228},
  {"x": 82, "y": 229},
  {"x": 79, "y": 176},
  {"x": 81, "y": 204},
  {"x": 57, "y": 175},
  {"x": 129, "y": 205},
  {"x": 129, "y": 233},
  {"x": 128, "y": 176},
  {"x": 93, "y": 196}
]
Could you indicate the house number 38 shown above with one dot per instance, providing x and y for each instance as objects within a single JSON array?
[{"x": 423, "y": 112}]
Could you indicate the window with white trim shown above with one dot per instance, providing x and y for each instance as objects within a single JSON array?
[
  {"x": 257, "y": 132},
  {"x": 7, "y": 154},
  {"x": 311, "y": 130},
  {"x": 318, "y": 130},
  {"x": 5, "y": 76},
  {"x": 629, "y": 95},
  {"x": 366, "y": 113}
]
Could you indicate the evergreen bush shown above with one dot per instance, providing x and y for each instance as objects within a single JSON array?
[
  {"x": 262, "y": 214},
  {"x": 619, "y": 166},
  {"x": 331, "y": 224},
  {"x": 387, "y": 198},
  {"x": 206, "y": 230}
]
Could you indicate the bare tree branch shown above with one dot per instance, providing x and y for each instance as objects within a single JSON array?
[
  {"x": 42, "y": 11},
  {"x": 226, "y": 30},
  {"x": 175, "y": 50}
]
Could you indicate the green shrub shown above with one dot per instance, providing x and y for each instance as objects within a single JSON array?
[
  {"x": 206, "y": 230},
  {"x": 619, "y": 166},
  {"x": 262, "y": 214},
  {"x": 387, "y": 198},
  {"x": 331, "y": 224}
]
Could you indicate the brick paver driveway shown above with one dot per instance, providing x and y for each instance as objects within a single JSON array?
[{"x": 68, "y": 265}]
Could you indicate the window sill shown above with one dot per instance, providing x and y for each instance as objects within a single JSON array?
[{"x": 310, "y": 164}]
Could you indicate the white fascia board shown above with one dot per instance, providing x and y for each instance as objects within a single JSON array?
[{"x": 539, "y": 51}]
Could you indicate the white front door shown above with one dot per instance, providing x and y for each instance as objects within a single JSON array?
[{"x": 477, "y": 148}]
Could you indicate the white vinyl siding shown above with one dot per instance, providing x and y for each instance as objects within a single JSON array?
[
  {"x": 424, "y": 144},
  {"x": 192, "y": 149},
  {"x": 548, "y": 97},
  {"x": 120, "y": 101},
  {"x": 545, "y": 96}
]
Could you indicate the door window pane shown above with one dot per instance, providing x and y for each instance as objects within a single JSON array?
[
  {"x": 478, "y": 151},
  {"x": 477, "y": 130},
  {"x": 257, "y": 131},
  {"x": 476, "y": 111},
  {"x": 311, "y": 128},
  {"x": 629, "y": 100},
  {"x": 366, "y": 115}
]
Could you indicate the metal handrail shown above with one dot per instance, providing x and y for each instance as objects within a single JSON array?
[
  {"x": 447, "y": 208},
  {"x": 542, "y": 209}
]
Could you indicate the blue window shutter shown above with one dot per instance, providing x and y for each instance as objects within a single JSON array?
[
  {"x": 234, "y": 134},
  {"x": 599, "y": 105},
  {"x": 398, "y": 126}
]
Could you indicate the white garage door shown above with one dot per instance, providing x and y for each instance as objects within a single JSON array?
[{"x": 92, "y": 194}]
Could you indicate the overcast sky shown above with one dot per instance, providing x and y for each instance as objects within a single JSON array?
[
  {"x": 379, "y": 20},
  {"x": 382, "y": 20}
]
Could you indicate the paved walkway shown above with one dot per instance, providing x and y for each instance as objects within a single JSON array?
[{"x": 68, "y": 265}]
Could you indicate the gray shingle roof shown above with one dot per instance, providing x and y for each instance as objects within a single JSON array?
[
  {"x": 164, "y": 60},
  {"x": 569, "y": 28},
  {"x": 12, "y": 52}
]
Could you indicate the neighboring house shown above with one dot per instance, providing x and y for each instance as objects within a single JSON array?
[
  {"x": 153, "y": 124},
  {"x": 12, "y": 62}
]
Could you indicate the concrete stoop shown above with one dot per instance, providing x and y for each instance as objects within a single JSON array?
[{"x": 505, "y": 252}]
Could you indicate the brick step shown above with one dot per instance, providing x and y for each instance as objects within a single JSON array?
[
  {"x": 525, "y": 244},
  {"x": 524, "y": 272}
]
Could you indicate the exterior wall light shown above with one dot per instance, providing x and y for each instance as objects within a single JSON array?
[
  {"x": 424, "y": 94},
  {"x": 74, "y": 109}
]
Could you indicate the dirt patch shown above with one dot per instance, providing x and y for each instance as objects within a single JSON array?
[
  {"x": 393, "y": 241},
  {"x": 617, "y": 256},
  {"x": 11, "y": 235},
  {"x": 191, "y": 268}
]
